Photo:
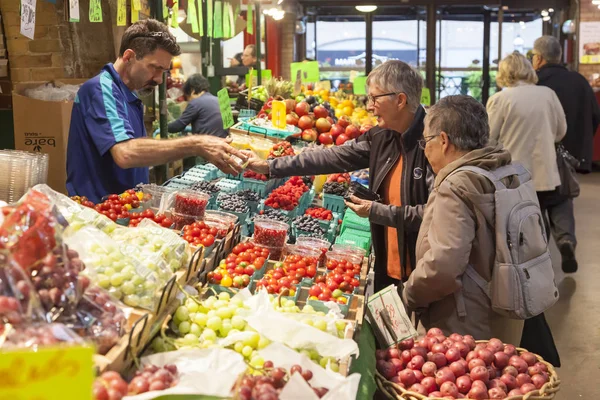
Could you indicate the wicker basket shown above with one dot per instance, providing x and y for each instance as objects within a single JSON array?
[{"x": 392, "y": 391}]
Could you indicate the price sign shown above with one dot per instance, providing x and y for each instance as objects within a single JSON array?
[
  {"x": 426, "y": 97},
  {"x": 388, "y": 317},
  {"x": 265, "y": 75},
  {"x": 52, "y": 373},
  {"x": 359, "y": 86},
  {"x": 310, "y": 71},
  {"x": 278, "y": 114},
  {"x": 225, "y": 107}
]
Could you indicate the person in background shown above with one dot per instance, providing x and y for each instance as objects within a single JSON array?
[
  {"x": 528, "y": 120},
  {"x": 583, "y": 117},
  {"x": 236, "y": 61},
  {"x": 202, "y": 111},
  {"x": 108, "y": 149},
  {"x": 458, "y": 228},
  {"x": 249, "y": 56},
  {"x": 398, "y": 169}
]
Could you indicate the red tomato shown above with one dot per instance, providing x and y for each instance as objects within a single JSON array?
[{"x": 208, "y": 241}]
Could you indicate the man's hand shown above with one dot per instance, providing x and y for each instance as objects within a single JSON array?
[
  {"x": 361, "y": 207},
  {"x": 219, "y": 152},
  {"x": 256, "y": 164}
]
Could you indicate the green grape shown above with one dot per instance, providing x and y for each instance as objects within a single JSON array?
[
  {"x": 201, "y": 319},
  {"x": 158, "y": 345},
  {"x": 314, "y": 355},
  {"x": 323, "y": 362},
  {"x": 128, "y": 274},
  {"x": 340, "y": 325},
  {"x": 131, "y": 300},
  {"x": 335, "y": 367},
  {"x": 308, "y": 309},
  {"x": 184, "y": 327},
  {"x": 224, "y": 296},
  {"x": 238, "y": 346},
  {"x": 211, "y": 313},
  {"x": 225, "y": 312},
  {"x": 128, "y": 288},
  {"x": 182, "y": 313},
  {"x": 191, "y": 305},
  {"x": 252, "y": 340},
  {"x": 194, "y": 329},
  {"x": 103, "y": 281},
  {"x": 190, "y": 339},
  {"x": 137, "y": 280},
  {"x": 288, "y": 303},
  {"x": 209, "y": 334},
  {"x": 116, "y": 293},
  {"x": 192, "y": 316},
  {"x": 238, "y": 322},
  {"x": 225, "y": 329},
  {"x": 209, "y": 303},
  {"x": 263, "y": 342},
  {"x": 208, "y": 343},
  {"x": 147, "y": 302},
  {"x": 321, "y": 325},
  {"x": 237, "y": 302},
  {"x": 234, "y": 332},
  {"x": 308, "y": 321},
  {"x": 109, "y": 272},
  {"x": 150, "y": 286},
  {"x": 305, "y": 353},
  {"x": 257, "y": 361},
  {"x": 214, "y": 323},
  {"x": 247, "y": 351},
  {"x": 219, "y": 303}
]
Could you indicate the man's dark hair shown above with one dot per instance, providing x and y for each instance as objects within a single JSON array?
[
  {"x": 252, "y": 50},
  {"x": 238, "y": 57},
  {"x": 196, "y": 83},
  {"x": 464, "y": 120},
  {"x": 146, "y": 36}
]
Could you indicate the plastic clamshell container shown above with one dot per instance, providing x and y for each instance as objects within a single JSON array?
[
  {"x": 347, "y": 248},
  {"x": 190, "y": 202},
  {"x": 268, "y": 232}
]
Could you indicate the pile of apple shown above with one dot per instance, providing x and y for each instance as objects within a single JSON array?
[{"x": 456, "y": 367}]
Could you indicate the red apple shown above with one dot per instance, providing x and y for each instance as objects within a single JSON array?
[
  {"x": 305, "y": 122},
  {"x": 290, "y": 104},
  {"x": 291, "y": 119},
  {"x": 321, "y": 112},
  {"x": 310, "y": 135},
  {"x": 325, "y": 138},
  {"x": 302, "y": 108},
  {"x": 352, "y": 132},
  {"x": 330, "y": 120},
  {"x": 365, "y": 128},
  {"x": 343, "y": 121},
  {"x": 323, "y": 125},
  {"x": 341, "y": 139},
  {"x": 336, "y": 131}
]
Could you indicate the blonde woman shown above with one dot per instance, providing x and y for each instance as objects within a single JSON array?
[{"x": 528, "y": 120}]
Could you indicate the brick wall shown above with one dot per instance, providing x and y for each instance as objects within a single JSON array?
[
  {"x": 60, "y": 49},
  {"x": 288, "y": 33}
]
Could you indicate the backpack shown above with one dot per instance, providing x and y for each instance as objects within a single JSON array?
[{"x": 522, "y": 284}]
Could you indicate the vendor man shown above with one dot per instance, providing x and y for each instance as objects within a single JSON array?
[{"x": 108, "y": 149}]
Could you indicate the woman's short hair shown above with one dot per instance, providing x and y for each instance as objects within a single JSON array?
[
  {"x": 515, "y": 68},
  {"x": 195, "y": 84}
]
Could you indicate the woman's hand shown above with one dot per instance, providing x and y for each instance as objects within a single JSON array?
[{"x": 256, "y": 164}]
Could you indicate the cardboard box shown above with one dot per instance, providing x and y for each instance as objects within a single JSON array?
[{"x": 44, "y": 126}]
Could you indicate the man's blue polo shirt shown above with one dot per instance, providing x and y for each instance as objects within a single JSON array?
[{"x": 105, "y": 113}]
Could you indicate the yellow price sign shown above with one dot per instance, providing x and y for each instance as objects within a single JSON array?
[
  {"x": 53, "y": 373},
  {"x": 278, "y": 114}
]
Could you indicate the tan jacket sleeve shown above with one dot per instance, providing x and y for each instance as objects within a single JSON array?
[
  {"x": 496, "y": 118},
  {"x": 450, "y": 237}
]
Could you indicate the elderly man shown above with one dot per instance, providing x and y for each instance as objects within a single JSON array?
[
  {"x": 398, "y": 169},
  {"x": 583, "y": 117},
  {"x": 458, "y": 227}
]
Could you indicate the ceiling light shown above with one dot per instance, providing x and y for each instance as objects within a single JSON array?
[
  {"x": 547, "y": 18},
  {"x": 596, "y": 2},
  {"x": 366, "y": 9},
  {"x": 551, "y": 10},
  {"x": 544, "y": 13}
]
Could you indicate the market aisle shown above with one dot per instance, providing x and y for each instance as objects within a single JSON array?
[{"x": 575, "y": 319}]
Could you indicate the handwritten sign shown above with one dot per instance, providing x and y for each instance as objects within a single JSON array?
[
  {"x": 73, "y": 10},
  {"x": 122, "y": 13},
  {"x": 136, "y": 6},
  {"x": 192, "y": 15},
  {"x": 426, "y": 97},
  {"x": 359, "y": 86},
  {"x": 278, "y": 114},
  {"x": 174, "y": 22},
  {"x": 209, "y": 18},
  {"x": 250, "y": 19},
  {"x": 95, "y": 11},
  {"x": 310, "y": 71},
  {"x": 48, "y": 373},
  {"x": 200, "y": 18},
  {"x": 225, "y": 107},
  {"x": 28, "y": 18},
  {"x": 388, "y": 300},
  {"x": 265, "y": 75}
]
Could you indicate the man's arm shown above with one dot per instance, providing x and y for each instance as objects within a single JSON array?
[
  {"x": 189, "y": 115},
  {"x": 146, "y": 152}
]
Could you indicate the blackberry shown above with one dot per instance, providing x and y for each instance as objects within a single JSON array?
[
  {"x": 307, "y": 181},
  {"x": 306, "y": 223},
  {"x": 248, "y": 195},
  {"x": 205, "y": 186},
  {"x": 274, "y": 214},
  {"x": 336, "y": 188},
  {"x": 234, "y": 204}
]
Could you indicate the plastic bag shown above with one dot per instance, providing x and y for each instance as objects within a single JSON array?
[
  {"x": 114, "y": 267},
  {"x": 156, "y": 243},
  {"x": 18, "y": 302},
  {"x": 49, "y": 92},
  {"x": 99, "y": 318},
  {"x": 36, "y": 335}
]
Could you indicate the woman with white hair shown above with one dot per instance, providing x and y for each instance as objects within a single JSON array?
[{"x": 527, "y": 120}]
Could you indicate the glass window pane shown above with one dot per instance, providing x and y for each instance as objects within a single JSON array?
[
  {"x": 340, "y": 48},
  {"x": 395, "y": 40}
]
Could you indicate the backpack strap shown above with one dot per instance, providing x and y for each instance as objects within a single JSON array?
[
  {"x": 459, "y": 296},
  {"x": 496, "y": 176}
]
